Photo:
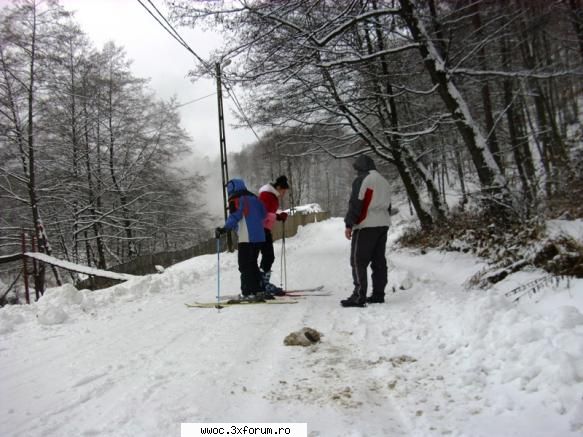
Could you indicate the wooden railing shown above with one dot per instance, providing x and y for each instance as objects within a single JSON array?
[{"x": 293, "y": 222}]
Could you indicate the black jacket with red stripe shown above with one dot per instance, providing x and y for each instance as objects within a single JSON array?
[{"x": 370, "y": 200}]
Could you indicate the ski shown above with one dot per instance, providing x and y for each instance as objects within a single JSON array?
[
  {"x": 235, "y": 302},
  {"x": 305, "y": 294},
  {"x": 237, "y": 297},
  {"x": 306, "y": 290}
]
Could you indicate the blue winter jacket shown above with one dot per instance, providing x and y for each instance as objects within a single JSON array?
[{"x": 246, "y": 213}]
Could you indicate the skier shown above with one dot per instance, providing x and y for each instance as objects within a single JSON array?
[
  {"x": 269, "y": 195},
  {"x": 246, "y": 215},
  {"x": 367, "y": 223}
]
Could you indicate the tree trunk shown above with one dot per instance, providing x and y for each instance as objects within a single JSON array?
[
  {"x": 553, "y": 150},
  {"x": 75, "y": 146},
  {"x": 127, "y": 225},
  {"x": 485, "y": 91},
  {"x": 93, "y": 202},
  {"x": 412, "y": 191},
  {"x": 577, "y": 20},
  {"x": 402, "y": 156},
  {"x": 494, "y": 185},
  {"x": 522, "y": 159},
  {"x": 39, "y": 278},
  {"x": 460, "y": 172}
]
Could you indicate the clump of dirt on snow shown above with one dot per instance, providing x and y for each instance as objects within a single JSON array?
[
  {"x": 401, "y": 359},
  {"x": 303, "y": 337}
]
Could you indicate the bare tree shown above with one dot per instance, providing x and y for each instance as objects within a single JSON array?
[
  {"x": 487, "y": 68},
  {"x": 86, "y": 143},
  {"x": 26, "y": 30},
  {"x": 329, "y": 67}
]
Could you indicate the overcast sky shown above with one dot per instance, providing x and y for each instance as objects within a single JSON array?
[{"x": 159, "y": 57}]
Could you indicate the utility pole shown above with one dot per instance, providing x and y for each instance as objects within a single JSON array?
[{"x": 223, "y": 146}]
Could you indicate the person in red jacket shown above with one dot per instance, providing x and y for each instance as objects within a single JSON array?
[{"x": 269, "y": 195}]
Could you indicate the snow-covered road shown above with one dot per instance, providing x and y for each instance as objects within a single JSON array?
[{"x": 436, "y": 359}]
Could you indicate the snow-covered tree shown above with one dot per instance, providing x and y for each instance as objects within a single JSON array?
[
  {"x": 396, "y": 76},
  {"x": 87, "y": 151}
]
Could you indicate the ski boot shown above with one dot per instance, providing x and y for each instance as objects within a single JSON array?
[{"x": 268, "y": 287}]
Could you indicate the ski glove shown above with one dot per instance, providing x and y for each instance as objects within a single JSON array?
[
  {"x": 219, "y": 231},
  {"x": 282, "y": 216}
]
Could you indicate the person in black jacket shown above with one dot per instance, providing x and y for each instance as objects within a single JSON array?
[{"x": 367, "y": 223}]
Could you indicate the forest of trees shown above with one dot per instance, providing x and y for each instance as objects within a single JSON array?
[
  {"x": 87, "y": 151},
  {"x": 477, "y": 99},
  {"x": 314, "y": 178},
  {"x": 481, "y": 98}
]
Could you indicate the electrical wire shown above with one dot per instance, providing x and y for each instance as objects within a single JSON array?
[
  {"x": 174, "y": 34},
  {"x": 231, "y": 92},
  {"x": 193, "y": 101},
  {"x": 168, "y": 23}
]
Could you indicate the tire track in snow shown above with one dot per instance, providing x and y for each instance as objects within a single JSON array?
[{"x": 327, "y": 380}]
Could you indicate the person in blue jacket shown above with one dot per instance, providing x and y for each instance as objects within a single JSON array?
[{"x": 246, "y": 215}]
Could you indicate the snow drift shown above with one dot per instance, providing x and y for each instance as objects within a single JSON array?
[{"x": 436, "y": 359}]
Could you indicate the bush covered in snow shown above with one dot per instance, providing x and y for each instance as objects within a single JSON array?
[{"x": 508, "y": 248}]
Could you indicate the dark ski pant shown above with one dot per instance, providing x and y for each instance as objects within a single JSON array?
[
  {"x": 250, "y": 276},
  {"x": 267, "y": 253},
  {"x": 368, "y": 247}
]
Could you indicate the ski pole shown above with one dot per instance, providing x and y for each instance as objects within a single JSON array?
[
  {"x": 283, "y": 273},
  {"x": 218, "y": 270}
]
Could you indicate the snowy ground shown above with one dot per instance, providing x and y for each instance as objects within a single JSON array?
[{"x": 436, "y": 359}]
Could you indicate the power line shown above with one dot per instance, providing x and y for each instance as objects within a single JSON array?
[
  {"x": 240, "y": 108},
  {"x": 169, "y": 25},
  {"x": 174, "y": 34},
  {"x": 159, "y": 22},
  {"x": 208, "y": 67},
  {"x": 195, "y": 100}
]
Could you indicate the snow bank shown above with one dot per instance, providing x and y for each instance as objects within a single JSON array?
[
  {"x": 8, "y": 319},
  {"x": 512, "y": 346},
  {"x": 52, "y": 305},
  {"x": 436, "y": 359},
  {"x": 569, "y": 228},
  {"x": 51, "y": 315},
  {"x": 65, "y": 304}
]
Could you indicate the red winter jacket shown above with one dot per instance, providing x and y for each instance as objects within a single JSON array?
[{"x": 270, "y": 199}]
